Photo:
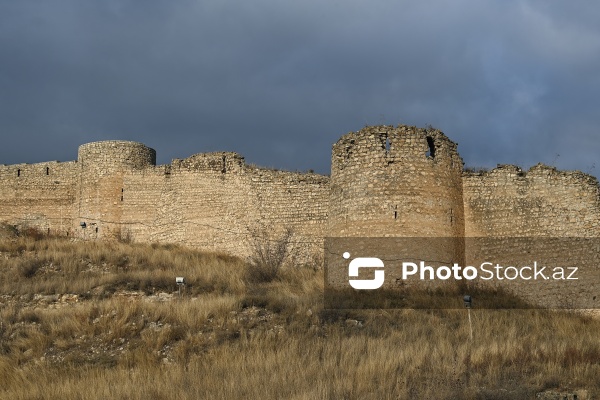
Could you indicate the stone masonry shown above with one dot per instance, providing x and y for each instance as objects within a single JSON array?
[{"x": 385, "y": 181}]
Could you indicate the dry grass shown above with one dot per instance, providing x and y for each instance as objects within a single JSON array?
[
  {"x": 56, "y": 265},
  {"x": 227, "y": 338}
]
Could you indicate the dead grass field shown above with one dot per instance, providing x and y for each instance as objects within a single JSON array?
[{"x": 95, "y": 320}]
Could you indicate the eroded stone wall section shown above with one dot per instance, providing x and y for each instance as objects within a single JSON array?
[
  {"x": 215, "y": 201},
  {"x": 543, "y": 201},
  {"x": 398, "y": 182},
  {"x": 539, "y": 216},
  {"x": 39, "y": 196},
  {"x": 402, "y": 181}
]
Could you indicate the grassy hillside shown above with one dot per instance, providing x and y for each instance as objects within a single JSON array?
[{"x": 95, "y": 320}]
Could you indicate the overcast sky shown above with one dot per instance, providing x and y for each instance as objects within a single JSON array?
[{"x": 280, "y": 81}]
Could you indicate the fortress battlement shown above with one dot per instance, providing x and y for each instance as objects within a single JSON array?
[{"x": 385, "y": 181}]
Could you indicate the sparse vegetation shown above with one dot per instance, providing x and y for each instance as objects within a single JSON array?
[
  {"x": 98, "y": 320},
  {"x": 269, "y": 253}
]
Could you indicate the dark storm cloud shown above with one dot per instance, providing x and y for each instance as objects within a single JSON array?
[{"x": 279, "y": 82}]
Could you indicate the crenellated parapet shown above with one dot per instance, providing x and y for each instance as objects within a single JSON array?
[
  {"x": 220, "y": 162},
  {"x": 543, "y": 201}
]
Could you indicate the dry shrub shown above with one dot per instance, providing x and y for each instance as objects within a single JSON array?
[
  {"x": 28, "y": 268},
  {"x": 268, "y": 254}
]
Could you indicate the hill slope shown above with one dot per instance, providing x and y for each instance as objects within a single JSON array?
[{"x": 103, "y": 320}]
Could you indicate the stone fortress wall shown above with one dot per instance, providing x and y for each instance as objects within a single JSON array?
[
  {"x": 213, "y": 201},
  {"x": 402, "y": 181},
  {"x": 385, "y": 181},
  {"x": 40, "y": 196},
  {"x": 540, "y": 214},
  {"x": 407, "y": 182}
]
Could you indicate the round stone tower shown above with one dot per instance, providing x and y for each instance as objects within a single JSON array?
[
  {"x": 102, "y": 167},
  {"x": 396, "y": 182}
]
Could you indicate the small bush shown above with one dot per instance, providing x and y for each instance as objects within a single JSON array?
[
  {"x": 28, "y": 268},
  {"x": 268, "y": 255}
]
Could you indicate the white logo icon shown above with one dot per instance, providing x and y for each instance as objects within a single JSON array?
[{"x": 365, "y": 262}]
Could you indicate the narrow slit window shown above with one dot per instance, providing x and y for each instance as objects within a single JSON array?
[
  {"x": 122, "y": 194},
  {"x": 430, "y": 147},
  {"x": 47, "y": 170},
  {"x": 388, "y": 144},
  {"x": 18, "y": 172},
  {"x": 224, "y": 169}
]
